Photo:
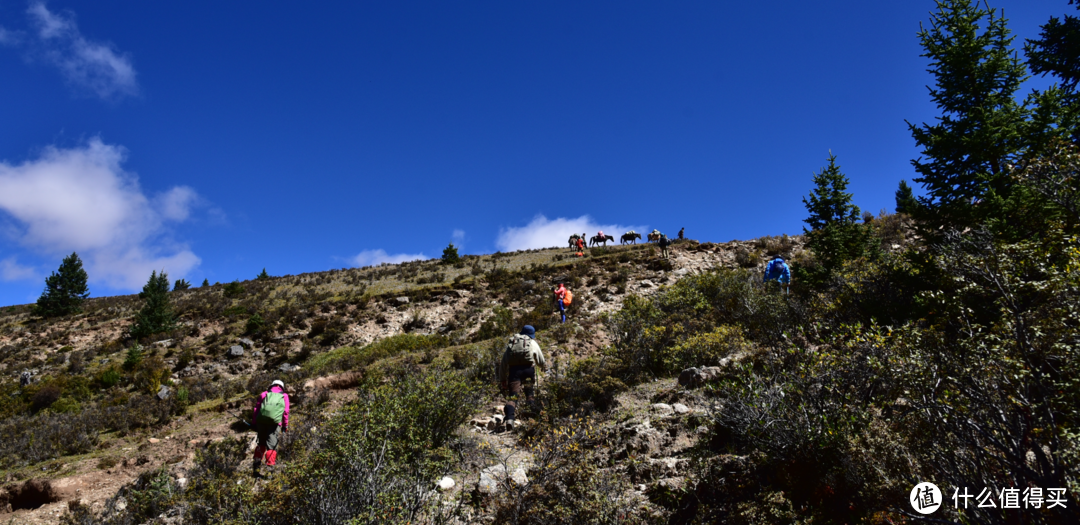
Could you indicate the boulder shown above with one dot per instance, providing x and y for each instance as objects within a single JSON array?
[
  {"x": 287, "y": 367},
  {"x": 164, "y": 344},
  {"x": 692, "y": 377},
  {"x": 446, "y": 483},
  {"x": 680, "y": 408},
  {"x": 163, "y": 393},
  {"x": 247, "y": 342},
  {"x": 663, "y": 408},
  {"x": 236, "y": 351},
  {"x": 401, "y": 300},
  {"x": 646, "y": 283}
]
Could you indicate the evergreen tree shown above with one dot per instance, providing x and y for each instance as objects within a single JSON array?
[
  {"x": 1057, "y": 52},
  {"x": 65, "y": 289},
  {"x": 205, "y": 282},
  {"x": 905, "y": 199},
  {"x": 263, "y": 275},
  {"x": 982, "y": 129},
  {"x": 156, "y": 315},
  {"x": 450, "y": 254},
  {"x": 181, "y": 284},
  {"x": 835, "y": 235}
]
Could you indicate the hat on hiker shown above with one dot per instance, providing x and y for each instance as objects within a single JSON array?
[
  {"x": 529, "y": 331},
  {"x": 277, "y": 382}
]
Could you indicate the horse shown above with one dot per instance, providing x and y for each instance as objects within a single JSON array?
[
  {"x": 596, "y": 239},
  {"x": 631, "y": 238},
  {"x": 654, "y": 237},
  {"x": 573, "y": 241}
]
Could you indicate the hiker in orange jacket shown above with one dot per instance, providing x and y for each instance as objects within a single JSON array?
[{"x": 560, "y": 297}]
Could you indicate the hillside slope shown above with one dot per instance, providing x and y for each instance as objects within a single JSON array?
[{"x": 90, "y": 416}]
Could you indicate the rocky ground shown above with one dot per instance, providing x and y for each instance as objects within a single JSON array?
[{"x": 654, "y": 423}]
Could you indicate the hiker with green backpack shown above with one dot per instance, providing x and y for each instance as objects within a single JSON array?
[
  {"x": 518, "y": 369},
  {"x": 271, "y": 419}
]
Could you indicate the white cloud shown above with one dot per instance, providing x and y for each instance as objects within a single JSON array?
[
  {"x": 458, "y": 238},
  {"x": 374, "y": 257},
  {"x": 81, "y": 200},
  {"x": 11, "y": 270},
  {"x": 94, "y": 66},
  {"x": 8, "y": 37},
  {"x": 176, "y": 204},
  {"x": 545, "y": 233}
]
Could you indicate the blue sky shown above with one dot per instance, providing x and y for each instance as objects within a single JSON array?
[{"x": 216, "y": 139}]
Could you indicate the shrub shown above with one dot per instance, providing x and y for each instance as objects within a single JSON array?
[
  {"x": 156, "y": 315},
  {"x": 351, "y": 358},
  {"x": 254, "y": 324},
  {"x": 133, "y": 357},
  {"x": 233, "y": 290}
]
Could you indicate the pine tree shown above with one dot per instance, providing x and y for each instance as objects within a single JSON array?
[
  {"x": 835, "y": 235},
  {"x": 181, "y": 284},
  {"x": 450, "y": 254},
  {"x": 65, "y": 289},
  {"x": 156, "y": 315},
  {"x": 205, "y": 283},
  {"x": 263, "y": 275},
  {"x": 905, "y": 199},
  {"x": 982, "y": 129},
  {"x": 1057, "y": 52}
]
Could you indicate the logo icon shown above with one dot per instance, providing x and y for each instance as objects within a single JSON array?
[{"x": 925, "y": 498}]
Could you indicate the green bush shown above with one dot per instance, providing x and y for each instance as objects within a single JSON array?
[
  {"x": 352, "y": 358},
  {"x": 234, "y": 290}
]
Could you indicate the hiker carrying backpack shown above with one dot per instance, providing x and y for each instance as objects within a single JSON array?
[
  {"x": 271, "y": 418},
  {"x": 562, "y": 299},
  {"x": 777, "y": 270},
  {"x": 518, "y": 369},
  {"x": 664, "y": 243}
]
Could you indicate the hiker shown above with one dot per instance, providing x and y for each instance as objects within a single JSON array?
[
  {"x": 777, "y": 270},
  {"x": 271, "y": 418},
  {"x": 581, "y": 247},
  {"x": 664, "y": 243},
  {"x": 560, "y": 300},
  {"x": 681, "y": 230},
  {"x": 519, "y": 364}
]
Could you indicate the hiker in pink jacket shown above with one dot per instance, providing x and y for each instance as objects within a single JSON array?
[{"x": 271, "y": 418}]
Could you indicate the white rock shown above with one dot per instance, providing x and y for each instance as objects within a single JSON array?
[
  {"x": 663, "y": 408},
  {"x": 181, "y": 482},
  {"x": 446, "y": 483},
  {"x": 487, "y": 483},
  {"x": 519, "y": 477},
  {"x": 121, "y": 504},
  {"x": 680, "y": 408}
]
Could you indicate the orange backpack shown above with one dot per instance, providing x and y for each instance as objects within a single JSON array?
[{"x": 568, "y": 298}]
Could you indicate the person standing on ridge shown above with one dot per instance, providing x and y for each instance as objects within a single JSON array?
[
  {"x": 681, "y": 230},
  {"x": 517, "y": 372},
  {"x": 777, "y": 270},
  {"x": 581, "y": 246},
  {"x": 560, "y": 300},
  {"x": 664, "y": 243},
  {"x": 271, "y": 418}
]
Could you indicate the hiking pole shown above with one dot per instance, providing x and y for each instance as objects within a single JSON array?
[{"x": 237, "y": 416}]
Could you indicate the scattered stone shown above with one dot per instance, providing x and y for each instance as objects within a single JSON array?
[
  {"x": 446, "y": 483},
  {"x": 646, "y": 283},
  {"x": 287, "y": 367},
  {"x": 181, "y": 482},
  {"x": 680, "y": 408},
  {"x": 487, "y": 484},
  {"x": 402, "y": 300},
  {"x": 247, "y": 342},
  {"x": 121, "y": 504},
  {"x": 681, "y": 272},
  {"x": 154, "y": 441},
  {"x": 236, "y": 351},
  {"x": 164, "y": 344},
  {"x": 692, "y": 377},
  {"x": 663, "y": 408},
  {"x": 499, "y": 409},
  {"x": 163, "y": 393},
  {"x": 519, "y": 476}
]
